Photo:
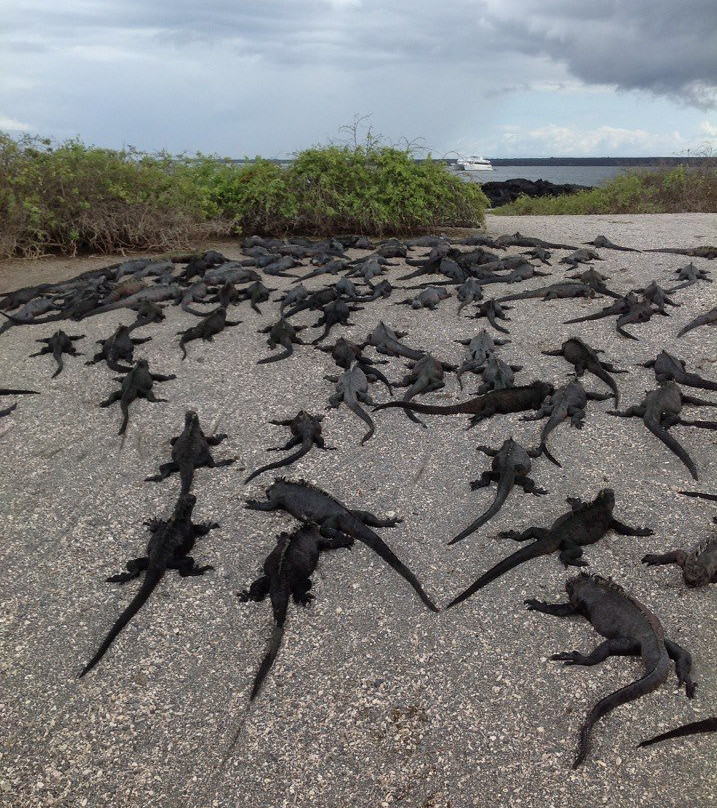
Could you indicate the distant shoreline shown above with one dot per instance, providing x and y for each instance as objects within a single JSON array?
[{"x": 545, "y": 161}]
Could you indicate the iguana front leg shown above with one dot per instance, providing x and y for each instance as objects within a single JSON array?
[
  {"x": 374, "y": 521},
  {"x": 164, "y": 471},
  {"x": 528, "y": 485},
  {"x": 626, "y": 530},
  {"x": 571, "y": 555},
  {"x": 215, "y": 440},
  {"x": 257, "y": 591},
  {"x": 554, "y": 609},
  {"x": 294, "y": 441},
  {"x": 486, "y": 478},
  {"x": 134, "y": 568},
  {"x": 674, "y": 557},
  {"x": 255, "y": 505},
  {"x": 187, "y": 568}
]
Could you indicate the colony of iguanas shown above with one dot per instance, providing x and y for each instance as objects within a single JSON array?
[{"x": 148, "y": 289}]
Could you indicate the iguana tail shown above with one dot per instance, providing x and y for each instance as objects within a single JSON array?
[
  {"x": 707, "y": 725},
  {"x": 285, "y": 461},
  {"x": 431, "y": 409},
  {"x": 4, "y": 391},
  {"x": 604, "y": 376},
  {"x": 649, "y": 682},
  {"x": 693, "y": 380},
  {"x": 537, "y": 548},
  {"x": 659, "y": 432},
  {"x": 597, "y": 316},
  {"x": 279, "y": 594},
  {"x": 356, "y": 409},
  {"x": 504, "y": 488},
  {"x": 285, "y": 354},
  {"x": 151, "y": 578}
]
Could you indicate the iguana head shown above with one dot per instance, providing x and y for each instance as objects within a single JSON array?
[
  {"x": 695, "y": 574},
  {"x": 190, "y": 419},
  {"x": 606, "y": 497}
]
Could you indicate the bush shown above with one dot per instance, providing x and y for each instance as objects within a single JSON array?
[
  {"x": 72, "y": 198},
  {"x": 680, "y": 189}
]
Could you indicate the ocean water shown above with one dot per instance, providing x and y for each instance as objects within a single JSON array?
[{"x": 576, "y": 175}]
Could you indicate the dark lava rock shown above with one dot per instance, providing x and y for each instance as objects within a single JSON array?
[{"x": 501, "y": 193}]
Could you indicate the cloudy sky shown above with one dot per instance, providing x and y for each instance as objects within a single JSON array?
[{"x": 243, "y": 77}]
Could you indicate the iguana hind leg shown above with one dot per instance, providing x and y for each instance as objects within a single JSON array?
[
  {"x": 257, "y": 591},
  {"x": 620, "y": 646},
  {"x": 683, "y": 666},
  {"x": 186, "y": 567},
  {"x": 134, "y": 568},
  {"x": 374, "y": 521}
]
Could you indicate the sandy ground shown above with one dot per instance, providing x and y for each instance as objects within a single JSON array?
[{"x": 373, "y": 700}]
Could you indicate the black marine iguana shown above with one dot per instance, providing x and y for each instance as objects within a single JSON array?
[
  {"x": 693, "y": 728},
  {"x": 660, "y": 410},
  {"x": 352, "y": 388},
  {"x": 706, "y": 251},
  {"x": 337, "y": 312},
  {"x": 136, "y": 384},
  {"x": 293, "y": 296},
  {"x": 387, "y": 342},
  {"x": 512, "y": 399},
  {"x": 281, "y": 333},
  {"x": 668, "y": 367},
  {"x": 214, "y": 323},
  {"x": 169, "y": 546},
  {"x": 497, "y": 375},
  {"x": 255, "y": 293},
  {"x": 511, "y": 465},
  {"x": 469, "y": 292},
  {"x": 630, "y": 628},
  {"x": 305, "y": 431},
  {"x": 426, "y": 376},
  {"x": 690, "y": 275},
  {"x": 580, "y": 256},
  {"x": 309, "y": 504},
  {"x": 287, "y": 573},
  {"x": 708, "y": 318},
  {"x": 565, "y": 402},
  {"x": 345, "y": 353},
  {"x": 480, "y": 348},
  {"x": 604, "y": 243},
  {"x": 4, "y": 391},
  {"x": 427, "y": 299},
  {"x": 190, "y": 451},
  {"x": 120, "y": 346},
  {"x": 58, "y": 344},
  {"x": 699, "y": 563},
  {"x": 585, "y": 523},
  {"x": 654, "y": 293},
  {"x": 492, "y": 311},
  {"x": 553, "y": 292},
  {"x": 595, "y": 280},
  {"x": 147, "y": 312},
  {"x": 519, "y": 240},
  {"x": 582, "y": 357}
]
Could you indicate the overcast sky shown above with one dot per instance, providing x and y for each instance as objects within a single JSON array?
[{"x": 243, "y": 77}]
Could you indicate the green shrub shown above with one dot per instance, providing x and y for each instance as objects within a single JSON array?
[
  {"x": 72, "y": 198},
  {"x": 681, "y": 189}
]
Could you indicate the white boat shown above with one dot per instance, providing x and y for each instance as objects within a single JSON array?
[{"x": 474, "y": 163}]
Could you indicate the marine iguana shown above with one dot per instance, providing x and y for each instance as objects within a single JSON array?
[
  {"x": 706, "y": 251},
  {"x": 345, "y": 353},
  {"x": 480, "y": 348},
  {"x": 566, "y": 402},
  {"x": 293, "y": 296},
  {"x": 336, "y": 313},
  {"x": 699, "y": 495},
  {"x": 519, "y": 240},
  {"x": 539, "y": 254},
  {"x": 660, "y": 410},
  {"x": 708, "y": 318},
  {"x": 305, "y": 433},
  {"x": 698, "y": 564},
  {"x": 654, "y": 293},
  {"x": 492, "y": 311},
  {"x": 582, "y": 357},
  {"x": 383, "y": 289},
  {"x": 352, "y": 388},
  {"x": 427, "y": 299},
  {"x": 28, "y": 313},
  {"x": 281, "y": 333},
  {"x": 667, "y": 367},
  {"x": 642, "y": 312},
  {"x": 155, "y": 294},
  {"x": 511, "y": 465},
  {"x": 497, "y": 375},
  {"x": 8, "y": 391},
  {"x": 56, "y": 345},
  {"x": 315, "y": 300},
  {"x": 604, "y": 242},
  {"x": 585, "y": 523},
  {"x": 310, "y": 504},
  {"x": 287, "y": 573},
  {"x": 553, "y": 292},
  {"x": 231, "y": 272},
  {"x": 630, "y": 628},
  {"x": 190, "y": 451},
  {"x": 332, "y": 267},
  {"x": 426, "y": 375},
  {"x": 387, "y": 342},
  {"x": 513, "y": 399},
  {"x": 621, "y": 306},
  {"x": 147, "y": 312},
  {"x": 690, "y": 275},
  {"x": 595, "y": 280},
  {"x": 136, "y": 384},
  {"x": 120, "y": 346},
  {"x": 580, "y": 256},
  {"x": 693, "y": 728},
  {"x": 214, "y": 323},
  {"x": 169, "y": 546},
  {"x": 469, "y": 292}
]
